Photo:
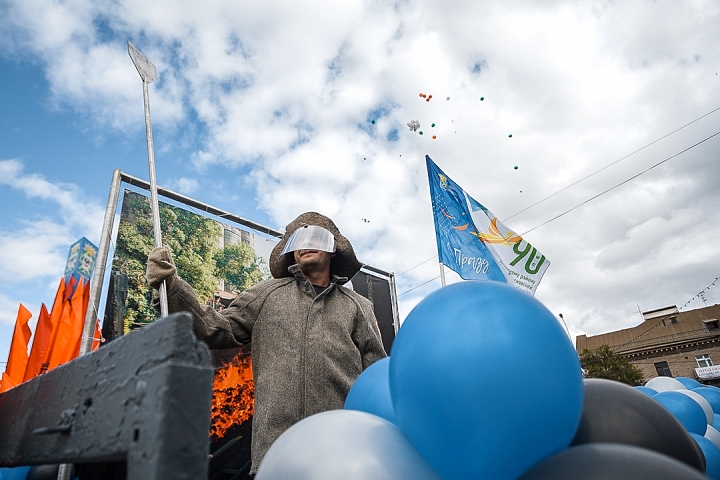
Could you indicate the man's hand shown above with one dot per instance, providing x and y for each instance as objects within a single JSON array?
[{"x": 160, "y": 267}]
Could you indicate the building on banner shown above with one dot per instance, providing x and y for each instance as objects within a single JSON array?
[
  {"x": 474, "y": 243},
  {"x": 668, "y": 343}
]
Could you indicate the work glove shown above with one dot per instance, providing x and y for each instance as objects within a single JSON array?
[{"x": 160, "y": 267}]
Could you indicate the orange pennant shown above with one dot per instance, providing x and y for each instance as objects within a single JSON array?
[
  {"x": 40, "y": 344},
  {"x": 55, "y": 315},
  {"x": 18, "y": 357},
  {"x": 70, "y": 326}
]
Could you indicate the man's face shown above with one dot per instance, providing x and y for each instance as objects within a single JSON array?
[{"x": 316, "y": 260}]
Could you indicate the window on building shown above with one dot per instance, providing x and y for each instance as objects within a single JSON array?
[
  {"x": 662, "y": 369},
  {"x": 712, "y": 324},
  {"x": 703, "y": 361},
  {"x": 673, "y": 320}
]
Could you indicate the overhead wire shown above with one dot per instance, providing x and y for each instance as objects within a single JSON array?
[
  {"x": 623, "y": 182},
  {"x": 610, "y": 165}
]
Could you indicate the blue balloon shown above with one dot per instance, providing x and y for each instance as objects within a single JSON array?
[
  {"x": 346, "y": 445},
  {"x": 461, "y": 395},
  {"x": 689, "y": 383},
  {"x": 647, "y": 391},
  {"x": 712, "y": 456},
  {"x": 685, "y": 409},
  {"x": 16, "y": 473},
  {"x": 371, "y": 392},
  {"x": 712, "y": 395}
]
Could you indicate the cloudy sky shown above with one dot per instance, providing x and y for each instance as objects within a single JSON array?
[{"x": 266, "y": 109}]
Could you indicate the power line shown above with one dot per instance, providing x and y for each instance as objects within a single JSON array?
[
  {"x": 418, "y": 286},
  {"x": 622, "y": 183},
  {"x": 411, "y": 268},
  {"x": 610, "y": 165}
]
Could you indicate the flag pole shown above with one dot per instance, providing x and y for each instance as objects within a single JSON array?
[
  {"x": 442, "y": 274},
  {"x": 148, "y": 73}
]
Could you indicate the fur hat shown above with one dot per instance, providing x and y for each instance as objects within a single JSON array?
[{"x": 343, "y": 264}]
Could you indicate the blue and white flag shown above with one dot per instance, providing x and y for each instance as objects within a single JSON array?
[{"x": 474, "y": 243}]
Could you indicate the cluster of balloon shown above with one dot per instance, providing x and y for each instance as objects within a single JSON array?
[
  {"x": 696, "y": 408},
  {"x": 365, "y": 220},
  {"x": 413, "y": 125},
  {"x": 427, "y": 97},
  {"x": 447, "y": 403}
]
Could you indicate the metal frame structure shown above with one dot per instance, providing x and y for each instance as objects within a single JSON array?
[{"x": 118, "y": 179}]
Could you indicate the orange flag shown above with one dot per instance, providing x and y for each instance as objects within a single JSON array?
[
  {"x": 70, "y": 287},
  {"x": 97, "y": 336},
  {"x": 6, "y": 384},
  {"x": 70, "y": 326},
  {"x": 79, "y": 314},
  {"x": 18, "y": 357},
  {"x": 55, "y": 314},
  {"x": 40, "y": 344}
]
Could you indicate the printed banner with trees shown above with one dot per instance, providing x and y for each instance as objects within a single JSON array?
[{"x": 214, "y": 258}]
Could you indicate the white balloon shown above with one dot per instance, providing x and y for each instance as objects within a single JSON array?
[
  {"x": 664, "y": 384},
  {"x": 345, "y": 445},
  {"x": 713, "y": 435},
  {"x": 707, "y": 408}
]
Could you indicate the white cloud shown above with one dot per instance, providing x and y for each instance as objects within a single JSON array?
[
  {"x": 39, "y": 247},
  {"x": 287, "y": 93}
]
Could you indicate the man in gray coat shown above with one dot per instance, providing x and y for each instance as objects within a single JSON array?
[{"x": 311, "y": 337}]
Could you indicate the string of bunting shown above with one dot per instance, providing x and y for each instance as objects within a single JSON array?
[{"x": 700, "y": 293}]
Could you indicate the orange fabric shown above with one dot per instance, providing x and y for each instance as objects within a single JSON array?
[
  {"x": 70, "y": 287},
  {"x": 79, "y": 314},
  {"x": 97, "y": 336},
  {"x": 55, "y": 315},
  {"x": 40, "y": 344},
  {"x": 67, "y": 339},
  {"x": 5, "y": 383},
  {"x": 18, "y": 357}
]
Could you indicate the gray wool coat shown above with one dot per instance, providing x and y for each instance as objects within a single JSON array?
[{"x": 307, "y": 350}]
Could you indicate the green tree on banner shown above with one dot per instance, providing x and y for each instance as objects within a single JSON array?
[{"x": 195, "y": 243}]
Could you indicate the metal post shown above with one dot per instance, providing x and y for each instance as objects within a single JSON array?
[
  {"x": 442, "y": 274},
  {"x": 148, "y": 73},
  {"x": 100, "y": 265},
  {"x": 393, "y": 297}
]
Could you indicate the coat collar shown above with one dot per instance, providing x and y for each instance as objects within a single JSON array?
[{"x": 300, "y": 278}]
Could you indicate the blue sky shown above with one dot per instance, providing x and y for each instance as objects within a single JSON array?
[{"x": 266, "y": 111}]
